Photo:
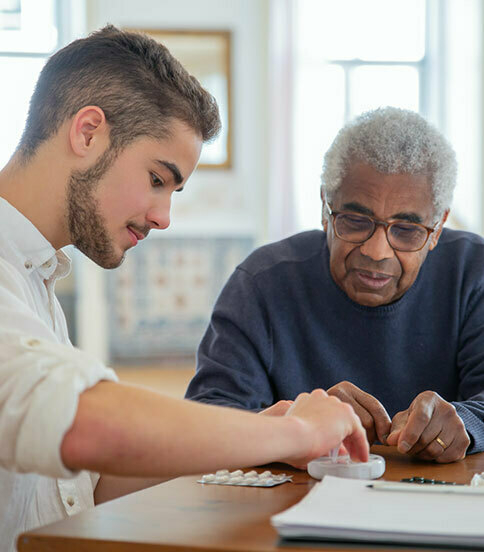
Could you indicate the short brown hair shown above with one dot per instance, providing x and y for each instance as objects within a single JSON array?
[{"x": 135, "y": 80}]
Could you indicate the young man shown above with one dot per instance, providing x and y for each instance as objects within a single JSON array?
[
  {"x": 384, "y": 308},
  {"x": 115, "y": 126}
]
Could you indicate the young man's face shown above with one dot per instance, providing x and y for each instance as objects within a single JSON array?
[
  {"x": 373, "y": 273},
  {"x": 110, "y": 214}
]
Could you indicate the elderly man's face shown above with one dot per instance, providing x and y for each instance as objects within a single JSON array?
[{"x": 373, "y": 273}]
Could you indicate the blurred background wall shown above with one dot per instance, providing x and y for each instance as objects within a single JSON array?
[{"x": 296, "y": 71}]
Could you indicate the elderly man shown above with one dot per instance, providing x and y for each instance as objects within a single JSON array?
[{"x": 384, "y": 309}]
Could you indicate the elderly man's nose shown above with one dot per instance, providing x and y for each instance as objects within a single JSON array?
[{"x": 377, "y": 247}]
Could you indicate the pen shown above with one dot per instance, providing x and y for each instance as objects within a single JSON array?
[{"x": 413, "y": 488}]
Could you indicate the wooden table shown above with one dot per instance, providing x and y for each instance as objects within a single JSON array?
[{"x": 182, "y": 515}]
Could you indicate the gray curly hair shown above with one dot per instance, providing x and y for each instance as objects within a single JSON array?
[{"x": 393, "y": 141}]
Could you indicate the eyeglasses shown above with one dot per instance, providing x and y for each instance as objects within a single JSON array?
[{"x": 402, "y": 236}]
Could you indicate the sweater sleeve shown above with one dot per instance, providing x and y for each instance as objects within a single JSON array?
[
  {"x": 470, "y": 361},
  {"x": 235, "y": 353}
]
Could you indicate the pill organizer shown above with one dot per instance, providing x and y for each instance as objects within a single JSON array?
[
  {"x": 342, "y": 466},
  {"x": 247, "y": 479}
]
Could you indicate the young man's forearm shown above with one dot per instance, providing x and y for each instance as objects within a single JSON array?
[{"x": 124, "y": 430}]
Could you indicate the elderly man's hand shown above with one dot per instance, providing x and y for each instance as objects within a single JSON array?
[
  {"x": 371, "y": 412},
  {"x": 430, "y": 429}
]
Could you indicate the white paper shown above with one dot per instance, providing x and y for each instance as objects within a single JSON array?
[{"x": 347, "y": 508}]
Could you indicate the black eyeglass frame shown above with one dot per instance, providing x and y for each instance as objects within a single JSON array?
[{"x": 377, "y": 222}]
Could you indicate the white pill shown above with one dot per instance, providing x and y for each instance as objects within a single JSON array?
[
  {"x": 208, "y": 477},
  {"x": 265, "y": 474},
  {"x": 236, "y": 473},
  {"x": 251, "y": 473},
  {"x": 236, "y": 480},
  {"x": 250, "y": 480},
  {"x": 222, "y": 478},
  {"x": 221, "y": 472}
]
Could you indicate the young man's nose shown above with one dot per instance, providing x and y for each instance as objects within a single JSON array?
[
  {"x": 377, "y": 247},
  {"x": 159, "y": 215}
]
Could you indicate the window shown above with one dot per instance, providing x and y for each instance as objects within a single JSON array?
[
  {"x": 28, "y": 35},
  {"x": 352, "y": 56}
]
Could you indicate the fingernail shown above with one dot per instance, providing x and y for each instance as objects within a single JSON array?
[
  {"x": 404, "y": 446},
  {"x": 384, "y": 438}
]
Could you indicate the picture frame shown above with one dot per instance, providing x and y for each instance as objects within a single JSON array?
[{"x": 206, "y": 55}]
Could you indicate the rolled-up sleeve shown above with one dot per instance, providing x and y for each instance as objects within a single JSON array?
[{"x": 40, "y": 383}]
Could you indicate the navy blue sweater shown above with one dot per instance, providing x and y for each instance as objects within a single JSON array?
[{"x": 281, "y": 326}]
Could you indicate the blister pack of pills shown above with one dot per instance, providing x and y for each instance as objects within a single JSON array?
[{"x": 248, "y": 479}]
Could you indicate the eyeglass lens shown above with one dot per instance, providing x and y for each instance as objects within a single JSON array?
[{"x": 406, "y": 236}]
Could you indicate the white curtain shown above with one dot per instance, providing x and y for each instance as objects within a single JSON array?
[{"x": 281, "y": 128}]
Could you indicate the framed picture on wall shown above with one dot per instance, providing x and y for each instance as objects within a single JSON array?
[{"x": 206, "y": 55}]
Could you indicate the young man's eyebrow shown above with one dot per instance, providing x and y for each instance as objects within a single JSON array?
[
  {"x": 173, "y": 169},
  {"x": 358, "y": 208}
]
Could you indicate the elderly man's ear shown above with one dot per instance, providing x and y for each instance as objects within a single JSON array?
[
  {"x": 434, "y": 238},
  {"x": 324, "y": 213}
]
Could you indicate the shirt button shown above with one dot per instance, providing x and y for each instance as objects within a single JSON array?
[
  {"x": 33, "y": 342},
  {"x": 28, "y": 265},
  {"x": 70, "y": 501}
]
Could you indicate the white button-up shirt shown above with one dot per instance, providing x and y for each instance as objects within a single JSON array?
[{"x": 41, "y": 378}]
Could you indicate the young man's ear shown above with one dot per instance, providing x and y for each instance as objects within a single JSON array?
[
  {"x": 89, "y": 132},
  {"x": 434, "y": 238}
]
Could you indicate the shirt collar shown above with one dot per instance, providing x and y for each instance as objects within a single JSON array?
[{"x": 31, "y": 248}]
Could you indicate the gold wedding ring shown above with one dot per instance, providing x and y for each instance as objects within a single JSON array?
[{"x": 441, "y": 443}]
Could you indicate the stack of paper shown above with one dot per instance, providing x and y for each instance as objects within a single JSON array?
[{"x": 348, "y": 510}]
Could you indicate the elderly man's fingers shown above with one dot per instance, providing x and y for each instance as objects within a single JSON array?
[
  {"x": 458, "y": 447},
  {"x": 456, "y": 451},
  {"x": 436, "y": 447},
  {"x": 371, "y": 412},
  {"x": 428, "y": 436},
  {"x": 398, "y": 423},
  {"x": 366, "y": 421},
  {"x": 435, "y": 451},
  {"x": 380, "y": 417},
  {"x": 420, "y": 414},
  {"x": 434, "y": 430},
  {"x": 448, "y": 446}
]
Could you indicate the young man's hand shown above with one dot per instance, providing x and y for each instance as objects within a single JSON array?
[
  {"x": 329, "y": 423},
  {"x": 371, "y": 412},
  {"x": 277, "y": 409},
  {"x": 430, "y": 429}
]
